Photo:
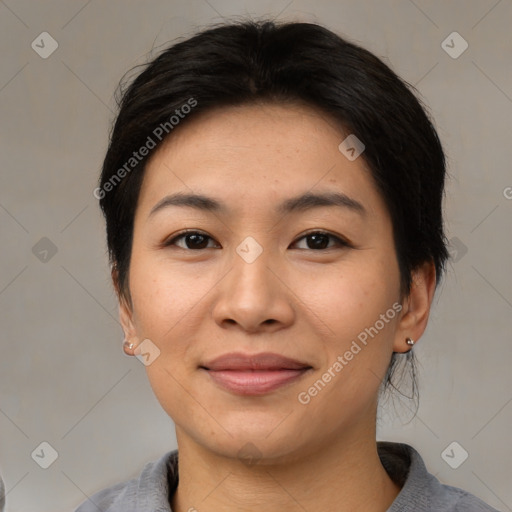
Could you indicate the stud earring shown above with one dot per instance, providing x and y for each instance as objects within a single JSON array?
[
  {"x": 409, "y": 341},
  {"x": 128, "y": 347}
]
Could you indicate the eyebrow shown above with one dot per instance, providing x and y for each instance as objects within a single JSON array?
[{"x": 300, "y": 203}]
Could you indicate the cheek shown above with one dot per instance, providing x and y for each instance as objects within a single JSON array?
[
  {"x": 349, "y": 299},
  {"x": 167, "y": 307},
  {"x": 355, "y": 310},
  {"x": 357, "y": 348},
  {"x": 170, "y": 302},
  {"x": 162, "y": 295}
]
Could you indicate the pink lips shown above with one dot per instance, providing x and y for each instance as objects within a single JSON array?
[{"x": 254, "y": 374}]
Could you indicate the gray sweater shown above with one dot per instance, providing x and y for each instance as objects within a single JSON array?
[
  {"x": 2, "y": 495},
  {"x": 421, "y": 491}
]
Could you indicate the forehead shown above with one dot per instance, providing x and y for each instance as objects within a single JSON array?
[{"x": 257, "y": 154}]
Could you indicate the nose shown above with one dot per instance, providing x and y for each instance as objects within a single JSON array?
[{"x": 254, "y": 297}]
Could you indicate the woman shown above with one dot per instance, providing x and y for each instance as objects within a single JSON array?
[{"x": 273, "y": 201}]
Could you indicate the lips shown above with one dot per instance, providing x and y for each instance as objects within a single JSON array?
[
  {"x": 263, "y": 361},
  {"x": 256, "y": 374}
]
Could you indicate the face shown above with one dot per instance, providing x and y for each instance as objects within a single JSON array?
[{"x": 255, "y": 270}]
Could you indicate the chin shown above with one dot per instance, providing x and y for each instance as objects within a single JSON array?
[
  {"x": 257, "y": 442},
  {"x": 251, "y": 451}
]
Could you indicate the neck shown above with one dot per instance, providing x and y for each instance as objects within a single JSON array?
[{"x": 342, "y": 474}]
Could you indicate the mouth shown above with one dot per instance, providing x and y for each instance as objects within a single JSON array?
[{"x": 256, "y": 374}]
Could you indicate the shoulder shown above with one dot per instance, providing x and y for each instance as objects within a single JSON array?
[
  {"x": 104, "y": 499},
  {"x": 2, "y": 495},
  {"x": 147, "y": 492},
  {"x": 453, "y": 499},
  {"x": 463, "y": 501},
  {"x": 422, "y": 491}
]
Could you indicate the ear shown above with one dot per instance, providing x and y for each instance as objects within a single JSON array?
[
  {"x": 125, "y": 315},
  {"x": 126, "y": 318},
  {"x": 416, "y": 306}
]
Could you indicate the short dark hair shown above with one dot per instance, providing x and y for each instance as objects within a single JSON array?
[{"x": 248, "y": 62}]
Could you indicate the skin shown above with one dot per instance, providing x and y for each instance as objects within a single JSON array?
[{"x": 305, "y": 303}]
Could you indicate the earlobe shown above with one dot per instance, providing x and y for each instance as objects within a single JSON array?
[
  {"x": 129, "y": 347},
  {"x": 416, "y": 308}
]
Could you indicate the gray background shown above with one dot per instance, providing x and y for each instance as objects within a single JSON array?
[{"x": 63, "y": 376}]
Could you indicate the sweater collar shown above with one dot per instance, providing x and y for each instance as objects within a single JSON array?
[{"x": 153, "y": 490}]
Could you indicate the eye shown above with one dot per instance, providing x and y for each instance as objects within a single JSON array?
[
  {"x": 319, "y": 240},
  {"x": 192, "y": 240},
  {"x": 196, "y": 240}
]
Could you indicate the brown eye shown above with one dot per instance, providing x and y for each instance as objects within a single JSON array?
[
  {"x": 319, "y": 240},
  {"x": 192, "y": 240}
]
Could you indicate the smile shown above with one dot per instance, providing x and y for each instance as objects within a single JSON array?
[
  {"x": 254, "y": 382},
  {"x": 255, "y": 374}
]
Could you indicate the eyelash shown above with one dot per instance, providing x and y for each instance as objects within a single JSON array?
[{"x": 341, "y": 242}]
